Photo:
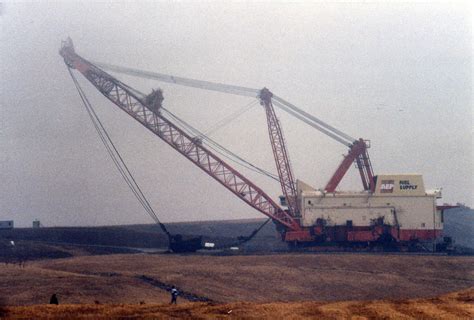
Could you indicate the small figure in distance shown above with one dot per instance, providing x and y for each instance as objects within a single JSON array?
[
  {"x": 54, "y": 299},
  {"x": 174, "y": 295}
]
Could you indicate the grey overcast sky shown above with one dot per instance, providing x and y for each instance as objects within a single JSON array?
[{"x": 399, "y": 74}]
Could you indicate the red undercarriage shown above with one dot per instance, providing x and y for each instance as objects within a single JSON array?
[{"x": 360, "y": 234}]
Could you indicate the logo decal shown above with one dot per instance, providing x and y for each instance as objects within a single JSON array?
[{"x": 387, "y": 186}]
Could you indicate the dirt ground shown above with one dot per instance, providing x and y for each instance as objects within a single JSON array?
[
  {"x": 457, "y": 305},
  {"x": 34, "y": 285},
  {"x": 132, "y": 278}
]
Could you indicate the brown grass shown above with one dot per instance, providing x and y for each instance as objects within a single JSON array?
[
  {"x": 290, "y": 286},
  {"x": 457, "y": 305},
  {"x": 33, "y": 285},
  {"x": 290, "y": 277}
]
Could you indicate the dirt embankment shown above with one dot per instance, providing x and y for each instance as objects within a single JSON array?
[{"x": 457, "y": 305}]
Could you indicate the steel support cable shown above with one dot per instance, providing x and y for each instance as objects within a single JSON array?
[
  {"x": 116, "y": 157},
  {"x": 111, "y": 153},
  {"x": 314, "y": 119},
  {"x": 243, "y": 239},
  {"x": 140, "y": 197},
  {"x": 220, "y": 149},
  {"x": 120, "y": 163},
  {"x": 99, "y": 132},
  {"x": 86, "y": 102},
  {"x": 250, "y": 166},
  {"x": 196, "y": 132},
  {"x": 229, "y": 118},
  {"x": 254, "y": 233},
  {"x": 190, "y": 130},
  {"x": 237, "y": 90},
  {"x": 104, "y": 136},
  {"x": 216, "y": 147},
  {"x": 193, "y": 131},
  {"x": 117, "y": 164},
  {"x": 312, "y": 124},
  {"x": 98, "y": 126},
  {"x": 200, "y": 84}
]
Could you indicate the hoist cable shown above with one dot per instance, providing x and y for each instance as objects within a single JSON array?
[
  {"x": 107, "y": 144},
  {"x": 116, "y": 157},
  {"x": 219, "y": 148},
  {"x": 126, "y": 173},
  {"x": 237, "y": 90},
  {"x": 229, "y": 118}
]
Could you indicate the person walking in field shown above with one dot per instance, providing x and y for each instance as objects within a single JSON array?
[
  {"x": 174, "y": 295},
  {"x": 54, "y": 299}
]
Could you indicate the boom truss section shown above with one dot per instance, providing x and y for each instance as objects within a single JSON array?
[
  {"x": 280, "y": 153},
  {"x": 124, "y": 97}
]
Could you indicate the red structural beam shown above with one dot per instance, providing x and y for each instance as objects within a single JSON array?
[
  {"x": 123, "y": 97},
  {"x": 280, "y": 153},
  {"x": 358, "y": 154}
]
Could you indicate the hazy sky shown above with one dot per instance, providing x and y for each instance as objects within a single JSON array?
[{"x": 397, "y": 74}]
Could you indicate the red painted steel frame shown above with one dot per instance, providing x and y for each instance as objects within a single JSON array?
[
  {"x": 360, "y": 234},
  {"x": 358, "y": 153},
  {"x": 280, "y": 153},
  {"x": 122, "y": 96}
]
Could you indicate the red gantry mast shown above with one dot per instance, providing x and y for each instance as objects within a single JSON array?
[
  {"x": 124, "y": 97},
  {"x": 148, "y": 112},
  {"x": 280, "y": 153}
]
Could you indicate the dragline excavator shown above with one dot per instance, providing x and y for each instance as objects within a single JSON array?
[{"x": 392, "y": 210}]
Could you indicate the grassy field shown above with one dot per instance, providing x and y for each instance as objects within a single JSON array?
[
  {"x": 457, "y": 305},
  {"x": 125, "y": 278},
  {"x": 98, "y": 275}
]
